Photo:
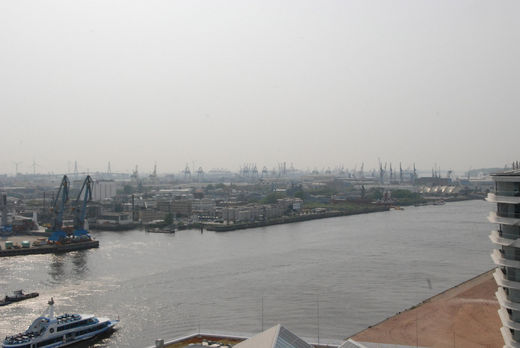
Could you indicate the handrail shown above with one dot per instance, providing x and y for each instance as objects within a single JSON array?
[
  {"x": 509, "y": 215},
  {"x": 508, "y": 193}
]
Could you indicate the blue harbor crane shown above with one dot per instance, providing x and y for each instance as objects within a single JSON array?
[
  {"x": 58, "y": 208},
  {"x": 5, "y": 228},
  {"x": 58, "y": 205},
  {"x": 80, "y": 207}
]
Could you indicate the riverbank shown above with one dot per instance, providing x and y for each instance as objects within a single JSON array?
[
  {"x": 463, "y": 316},
  {"x": 292, "y": 219}
]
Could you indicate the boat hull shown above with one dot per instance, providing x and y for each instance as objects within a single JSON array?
[
  {"x": 9, "y": 299},
  {"x": 78, "y": 337}
]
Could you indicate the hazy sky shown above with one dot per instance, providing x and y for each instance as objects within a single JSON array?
[{"x": 222, "y": 83}]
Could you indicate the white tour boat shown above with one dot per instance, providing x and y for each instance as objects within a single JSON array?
[{"x": 49, "y": 331}]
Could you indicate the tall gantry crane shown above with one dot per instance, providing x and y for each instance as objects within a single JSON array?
[
  {"x": 59, "y": 204},
  {"x": 80, "y": 205}
]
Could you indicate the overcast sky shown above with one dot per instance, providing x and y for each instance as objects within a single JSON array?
[{"x": 223, "y": 83}]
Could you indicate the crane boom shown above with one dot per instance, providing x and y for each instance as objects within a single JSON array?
[
  {"x": 62, "y": 200},
  {"x": 80, "y": 212}
]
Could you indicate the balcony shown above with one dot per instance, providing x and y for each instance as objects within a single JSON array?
[
  {"x": 506, "y": 220},
  {"x": 499, "y": 259},
  {"x": 501, "y": 280},
  {"x": 508, "y": 338},
  {"x": 504, "y": 197},
  {"x": 506, "y": 320},
  {"x": 505, "y": 302},
  {"x": 501, "y": 240}
]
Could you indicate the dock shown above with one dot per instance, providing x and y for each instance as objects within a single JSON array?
[{"x": 50, "y": 248}]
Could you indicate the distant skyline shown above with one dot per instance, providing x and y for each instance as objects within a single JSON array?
[
  {"x": 437, "y": 170},
  {"x": 224, "y": 83}
]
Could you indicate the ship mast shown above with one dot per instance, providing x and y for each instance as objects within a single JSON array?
[{"x": 50, "y": 311}]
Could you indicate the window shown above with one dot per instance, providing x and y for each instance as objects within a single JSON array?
[{"x": 50, "y": 341}]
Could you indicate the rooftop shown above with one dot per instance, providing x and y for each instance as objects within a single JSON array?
[
  {"x": 513, "y": 172},
  {"x": 463, "y": 316}
]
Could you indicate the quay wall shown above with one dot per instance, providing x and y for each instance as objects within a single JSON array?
[
  {"x": 291, "y": 219},
  {"x": 48, "y": 249}
]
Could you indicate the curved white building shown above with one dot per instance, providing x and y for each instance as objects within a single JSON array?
[{"x": 506, "y": 256}]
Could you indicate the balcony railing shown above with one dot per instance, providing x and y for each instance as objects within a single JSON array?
[
  {"x": 513, "y": 193},
  {"x": 508, "y": 215}
]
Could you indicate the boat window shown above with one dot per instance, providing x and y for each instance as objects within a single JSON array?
[
  {"x": 50, "y": 341},
  {"x": 92, "y": 329},
  {"x": 76, "y": 324}
]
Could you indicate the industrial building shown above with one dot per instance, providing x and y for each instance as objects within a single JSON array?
[
  {"x": 104, "y": 189},
  {"x": 506, "y": 237}
]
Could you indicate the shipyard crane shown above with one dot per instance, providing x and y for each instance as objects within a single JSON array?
[
  {"x": 80, "y": 206},
  {"x": 187, "y": 172},
  {"x": 200, "y": 174},
  {"x": 58, "y": 205},
  {"x": 381, "y": 172}
]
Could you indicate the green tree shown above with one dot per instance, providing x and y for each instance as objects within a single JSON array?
[
  {"x": 168, "y": 219},
  {"x": 299, "y": 194},
  {"x": 272, "y": 197}
]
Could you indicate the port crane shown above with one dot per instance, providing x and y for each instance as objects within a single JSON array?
[
  {"x": 62, "y": 200},
  {"x": 80, "y": 205}
]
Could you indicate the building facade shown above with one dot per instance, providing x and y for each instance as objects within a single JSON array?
[
  {"x": 103, "y": 189},
  {"x": 506, "y": 238}
]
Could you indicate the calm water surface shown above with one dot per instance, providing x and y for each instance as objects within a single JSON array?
[{"x": 358, "y": 270}]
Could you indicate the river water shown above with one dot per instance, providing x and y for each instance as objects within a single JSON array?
[{"x": 345, "y": 273}]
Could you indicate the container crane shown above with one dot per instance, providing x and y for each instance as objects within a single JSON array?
[{"x": 80, "y": 206}]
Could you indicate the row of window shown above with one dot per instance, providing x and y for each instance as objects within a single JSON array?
[
  {"x": 49, "y": 341},
  {"x": 92, "y": 329},
  {"x": 76, "y": 324},
  {"x": 60, "y": 338}
]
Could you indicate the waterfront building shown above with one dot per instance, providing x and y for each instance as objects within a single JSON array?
[
  {"x": 150, "y": 215},
  {"x": 164, "y": 205},
  {"x": 181, "y": 207},
  {"x": 506, "y": 238},
  {"x": 114, "y": 218},
  {"x": 204, "y": 207}
]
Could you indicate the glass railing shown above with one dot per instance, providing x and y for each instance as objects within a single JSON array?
[
  {"x": 508, "y": 193},
  {"x": 509, "y": 215},
  {"x": 508, "y": 235},
  {"x": 509, "y": 257}
]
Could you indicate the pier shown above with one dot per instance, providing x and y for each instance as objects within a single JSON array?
[{"x": 50, "y": 248}]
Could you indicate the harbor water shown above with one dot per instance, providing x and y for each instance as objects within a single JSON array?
[{"x": 329, "y": 278}]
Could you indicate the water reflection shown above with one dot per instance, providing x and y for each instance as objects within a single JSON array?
[
  {"x": 57, "y": 267},
  {"x": 79, "y": 262},
  {"x": 59, "y": 270}
]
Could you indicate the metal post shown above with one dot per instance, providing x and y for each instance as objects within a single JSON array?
[
  {"x": 262, "y": 314},
  {"x": 318, "y": 315},
  {"x": 416, "y": 328}
]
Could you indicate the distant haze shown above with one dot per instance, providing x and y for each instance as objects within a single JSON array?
[{"x": 223, "y": 83}]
